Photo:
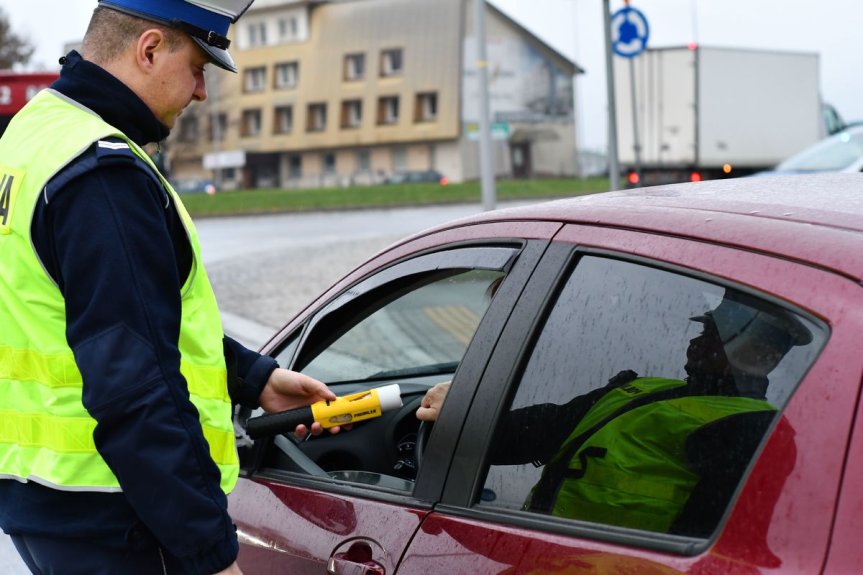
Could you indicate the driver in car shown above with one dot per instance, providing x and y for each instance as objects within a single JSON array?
[{"x": 654, "y": 453}]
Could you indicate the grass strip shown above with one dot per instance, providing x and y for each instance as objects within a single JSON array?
[{"x": 267, "y": 201}]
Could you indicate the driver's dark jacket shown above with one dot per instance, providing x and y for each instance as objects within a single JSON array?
[{"x": 119, "y": 254}]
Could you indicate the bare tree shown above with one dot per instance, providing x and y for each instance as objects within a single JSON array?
[{"x": 13, "y": 48}]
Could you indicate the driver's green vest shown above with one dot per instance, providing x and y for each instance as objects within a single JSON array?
[
  {"x": 46, "y": 434},
  {"x": 632, "y": 470}
]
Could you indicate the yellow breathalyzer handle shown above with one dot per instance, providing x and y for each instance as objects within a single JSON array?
[
  {"x": 341, "y": 411},
  {"x": 355, "y": 407}
]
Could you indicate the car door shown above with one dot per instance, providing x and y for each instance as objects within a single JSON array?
[
  {"x": 605, "y": 304},
  {"x": 350, "y": 503},
  {"x": 845, "y": 555}
]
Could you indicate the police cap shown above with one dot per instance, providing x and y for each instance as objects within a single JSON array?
[
  {"x": 205, "y": 21},
  {"x": 734, "y": 320}
]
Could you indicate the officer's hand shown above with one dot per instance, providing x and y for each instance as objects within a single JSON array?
[{"x": 290, "y": 389}]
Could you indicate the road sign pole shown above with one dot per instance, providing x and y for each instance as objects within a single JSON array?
[
  {"x": 613, "y": 168},
  {"x": 628, "y": 33},
  {"x": 636, "y": 143}
]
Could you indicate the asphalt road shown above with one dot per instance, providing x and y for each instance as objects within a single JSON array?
[{"x": 265, "y": 269}]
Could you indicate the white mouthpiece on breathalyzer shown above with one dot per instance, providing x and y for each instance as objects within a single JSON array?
[{"x": 389, "y": 396}]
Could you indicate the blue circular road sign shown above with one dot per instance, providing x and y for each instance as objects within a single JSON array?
[{"x": 629, "y": 32}]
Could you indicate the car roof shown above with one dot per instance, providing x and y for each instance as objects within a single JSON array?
[{"x": 816, "y": 219}]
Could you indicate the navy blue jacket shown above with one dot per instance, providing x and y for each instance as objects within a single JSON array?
[{"x": 119, "y": 254}]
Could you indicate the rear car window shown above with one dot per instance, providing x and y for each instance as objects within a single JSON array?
[{"x": 644, "y": 399}]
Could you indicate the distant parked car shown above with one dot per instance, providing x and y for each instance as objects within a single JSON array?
[
  {"x": 194, "y": 186},
  {"x": 841, "y": 152},
  {"x": 415, "y": 177}
]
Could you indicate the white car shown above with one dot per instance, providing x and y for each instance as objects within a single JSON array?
[{"x": 841, "y": 152}]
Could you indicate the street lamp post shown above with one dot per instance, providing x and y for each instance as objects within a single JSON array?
[
  {"x": 613, "y": 167},
  {"x": 485, "y": 161}
]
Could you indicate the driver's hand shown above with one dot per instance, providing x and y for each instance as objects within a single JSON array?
[
  {"x": 432, "y": 402},
  {"x": 287, "y": 389}
]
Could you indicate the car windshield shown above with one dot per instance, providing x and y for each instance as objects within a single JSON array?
[{"x": 833, "y": 154}]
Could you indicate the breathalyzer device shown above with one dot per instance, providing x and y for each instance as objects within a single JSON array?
[{"x": 343, "y": 410}]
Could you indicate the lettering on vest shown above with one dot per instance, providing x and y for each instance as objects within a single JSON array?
[
  {"x": 6, "y": 199},
  {"x": 10, "y": 181},
  {"x": 631, "y": 389}
]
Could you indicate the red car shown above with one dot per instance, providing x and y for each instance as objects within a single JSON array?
[{"x": 655, "y": 381}]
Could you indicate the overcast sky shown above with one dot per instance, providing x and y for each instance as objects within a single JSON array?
[{"x": 575, "y": 29}]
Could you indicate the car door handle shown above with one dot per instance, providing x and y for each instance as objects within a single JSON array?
[
  {"x": 357, "y": 560},
  {"x": 344, "y": 567}
]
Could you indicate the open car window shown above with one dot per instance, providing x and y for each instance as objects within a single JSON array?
[
  {"x": 409, "y": 324},
  {"x": 424, "y": 331},
  {"x": 414, "y": 318}
]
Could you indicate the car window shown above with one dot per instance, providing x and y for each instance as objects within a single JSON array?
[
  {"x": 644, "y": 399},
  {"x": 425, "y": 330},
  {"x": 408, "y": 324}
]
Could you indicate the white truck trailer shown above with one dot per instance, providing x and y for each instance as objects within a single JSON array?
[{"x": 704, "y": 113}]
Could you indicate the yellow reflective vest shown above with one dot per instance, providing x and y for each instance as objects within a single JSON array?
[
  {"x": 628, "y": 467},
  {"x": 46, "y": 434}
]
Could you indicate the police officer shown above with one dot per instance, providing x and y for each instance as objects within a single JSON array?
[{"x": 116, "y": 440}]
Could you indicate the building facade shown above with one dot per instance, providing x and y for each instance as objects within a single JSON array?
[{"x": 349, "y": 92}]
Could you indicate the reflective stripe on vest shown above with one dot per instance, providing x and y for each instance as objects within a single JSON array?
[
  {"x": 46, "y": 435},
  {"x": 632, "y": 471}
]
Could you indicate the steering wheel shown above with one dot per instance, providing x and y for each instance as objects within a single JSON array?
[{"x": 423, "y": 433}]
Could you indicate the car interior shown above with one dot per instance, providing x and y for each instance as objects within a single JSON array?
[{"x": 411, "y": 331}]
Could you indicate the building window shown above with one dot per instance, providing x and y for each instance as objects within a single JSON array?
[
  {"x": 188, "y": 129},
  {"x": 329, "y": 161},
  {"x": 352, "y": 114},
  {"x": 400, "y": 159},
  {"x": 257, "y": 34},
  {"x": 287, "y": 74},
  {"x": 295, "y": 167},
  {"x": 391, "y": 62},
  {"x": 251, "y": 123},
  {"x": 288, "y": 29},
  {"x": 426, "y": 107},
  {"x": 255, "y": 79},
  {"x": 355, "y": 67},
  {"x": 284, "y": 120},
  {"x": 388, "y": 110},
  {"x": 218, "y": 127},
  {"x": 364, "y": 163},
  {"x": 317, "y": 118}
]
